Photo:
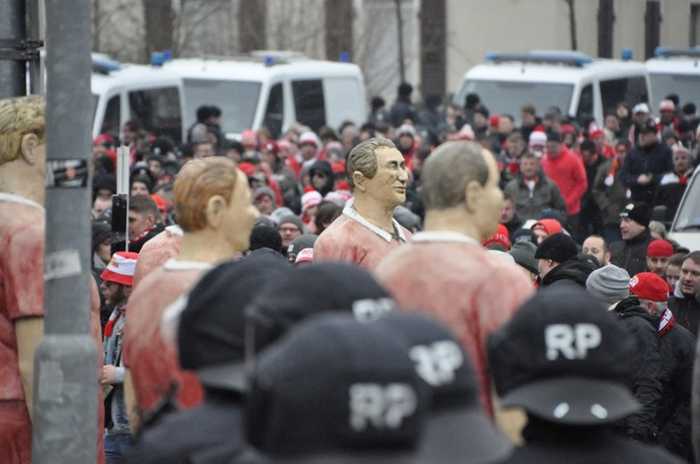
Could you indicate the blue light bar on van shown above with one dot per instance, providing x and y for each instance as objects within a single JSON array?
[
  {"x": 103, "y": 64},
  {"x": 627, "y": 54},
  {"x": 549, "y": 57},
  {"x": 665, "y": 52},
  {"x": 269, "y": 60},
  {"x": 159, "y": 58}
]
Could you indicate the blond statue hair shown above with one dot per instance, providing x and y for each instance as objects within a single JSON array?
[{"x": 19, "y": 117}]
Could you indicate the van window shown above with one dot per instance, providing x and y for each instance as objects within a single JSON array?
[
  {"x": 158, "y": 111},
  {"x": 112, "y": 117},
  {"x": 684, "y": 85},
  {"x": 344, "y": 100},
  {"x": 631, "y": 90},
  {"x": 585, "y": 105},
  {"x": 309, "y": 103},
  {"x": 274, "y": 112},
  {"x": 238, "y": 101}
]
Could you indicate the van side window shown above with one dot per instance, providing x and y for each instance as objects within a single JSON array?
[
  {"x": 630, "y": 90},
  {"x": 158, "y": 111},
  {"x": 585, "y": 104},
  {"x": 112, "y": 117},
  {"x": 309, "y": 103},
  {"x": 274, "y": 112}
]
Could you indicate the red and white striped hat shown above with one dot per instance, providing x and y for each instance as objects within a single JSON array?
[{"x": 121, "y": 268}]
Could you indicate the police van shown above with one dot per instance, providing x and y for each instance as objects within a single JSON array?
[
  {"x": 273, "y": 90},
  {"x": 675, "y": 71},
  {"x": 580, "y": 86},
  {"x": 686, "y": 225},
  {"x": 149, "y": 95}
]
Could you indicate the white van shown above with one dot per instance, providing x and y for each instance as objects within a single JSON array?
[
  {"x": 273, "y": 90},
  {"x": 150, "y": 95},
  {"x": 582, "y": 87},
  {"x": 686, "y": 225},
  {"x": 675, "y": 71}
]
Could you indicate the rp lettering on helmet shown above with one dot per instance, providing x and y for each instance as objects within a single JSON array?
[
  {"x": 571, "y": 341},
  {"x": 380, "y": 406},
  {"x": 436, "y": 363},
  {"x": 370, "y": 310}
]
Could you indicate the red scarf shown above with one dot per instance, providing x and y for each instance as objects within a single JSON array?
[
  {"x": 113, "y": 318},
  {"x": 666, "y": 323}
]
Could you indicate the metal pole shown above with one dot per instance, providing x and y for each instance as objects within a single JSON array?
[
  {"x": 65, "y": 393},
  {"x": 399, "y": 27},
  {"x": 12, "y": 26}
]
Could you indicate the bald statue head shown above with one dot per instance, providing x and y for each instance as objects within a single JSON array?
[{"x": 460, "y": 179}]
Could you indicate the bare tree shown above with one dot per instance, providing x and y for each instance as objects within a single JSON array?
[
  {"x": 339, "y": 20},
  {"x": 159, "y": 21},
  {"x": 399, "y": 29},
  {"x": 252, "y": 22},
  {"x": 572, "y": 23}
]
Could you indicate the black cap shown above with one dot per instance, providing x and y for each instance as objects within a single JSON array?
[
  {"x": 336, "y": 390},
  {"x": 308, "y": 291},
  {"x": 558, "y": 247},
  {"x": 446, "y": 369},
  {"x": 265, "y": 236},
  {"x": 648, "y": 126},
  {"x": 564, "y": 358},
  {"x": 300, "y": 243},
  {"x": 211, "y": 333},
  {"x": 638, "y": 212}
]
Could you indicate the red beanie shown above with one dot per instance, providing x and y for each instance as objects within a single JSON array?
[
  {"x": 649, "y": 286},
  {"x": 551, "y": 226},
  {"x": 660, "y": 249}
]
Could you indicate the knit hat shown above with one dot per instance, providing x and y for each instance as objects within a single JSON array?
[
  {"x": 649, "y": 286},
  {"x": 638, "y": 212},
  {"x": 640, "y": 108},
  {"x": 667, "y": 105},
  {"x": 500, "y": 240},
  {"x": 406, "y": 129},
  {"x": 523, "y": 252},
  {"x": 121, "y": 267},
  {"x": 300, "y": 243},
  {"x": 279, "y": 213},
  {"x": 558, "y": 248},
  {"x": 292, "y": 219},
  {"x": 609, "y": 284},
  {"x": 309, "y": 138},
  {"x": 660, "y": 249},
  {"x": 551, "y": 226},
  {"x": 310, "y": 199},
  {"x": 264, "y": 191}
]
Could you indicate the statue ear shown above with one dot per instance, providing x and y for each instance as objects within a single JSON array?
[
  {"x": 216, "y": 205},
  {"x": 359, "y": 180},
  {"x": 472, "y": 195},
  {"x": 30, "y": 148}
]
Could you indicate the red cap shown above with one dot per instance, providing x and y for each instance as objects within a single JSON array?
[
  {"x": 338, "y": 167},
  {"x": 103, "y": 138},
  {"x": 660, "y": 249},
  {"x": 551, "y": 226},
  {"x": 501, "y": 237},
  {"x": 649, "y": 286}
]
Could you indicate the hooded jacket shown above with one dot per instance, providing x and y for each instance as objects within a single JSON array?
[
  {"x": 647, "y": 368},
  {"x": 631, "y": 255},
  {"x": 568, "y": 173},
  {"x": 325, "y": 168},
  {"x": 573, "y": 271}
]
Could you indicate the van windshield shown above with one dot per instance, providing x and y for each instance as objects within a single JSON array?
[
  {"x": 238, "y": 101},
  {"x": 684, "y": 85},
  {"x": 508, "y": 97},
  {"x": 688, "y": 217}
]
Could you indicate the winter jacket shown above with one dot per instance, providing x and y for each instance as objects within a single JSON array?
[
  {"x": 670, "y": 191},
  {"x": 401, "y": 110},
  {"x": 610, "y": 199},
  {"x": 529, "y": 204},
  {"x": 568, "y": 173},
  {"x": 654, "y": 160},
  {"x": 181, "y": 437},
  {"x": 573, "y": 271},
  {"x": 551, "y": 443},
  {"x": 646, "y": 368},
  {"x": 631, "y": 255},
  {"x": 686, "y": 309},
  {"x": 677, "y": 357}
]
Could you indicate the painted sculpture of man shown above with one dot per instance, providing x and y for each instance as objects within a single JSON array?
[
  {"x": 366, "y": 231},
  {"x": 213, "y": 207}
]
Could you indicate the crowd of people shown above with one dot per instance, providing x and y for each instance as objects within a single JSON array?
[{"x": 431, "y": 286}]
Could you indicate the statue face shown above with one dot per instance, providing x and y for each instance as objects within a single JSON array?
[
  {"x": 389, "y": 184},
  {"x": 240, "y": 215}
]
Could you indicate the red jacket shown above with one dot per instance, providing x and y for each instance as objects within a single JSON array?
[{"x": 568, "y": 172}]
